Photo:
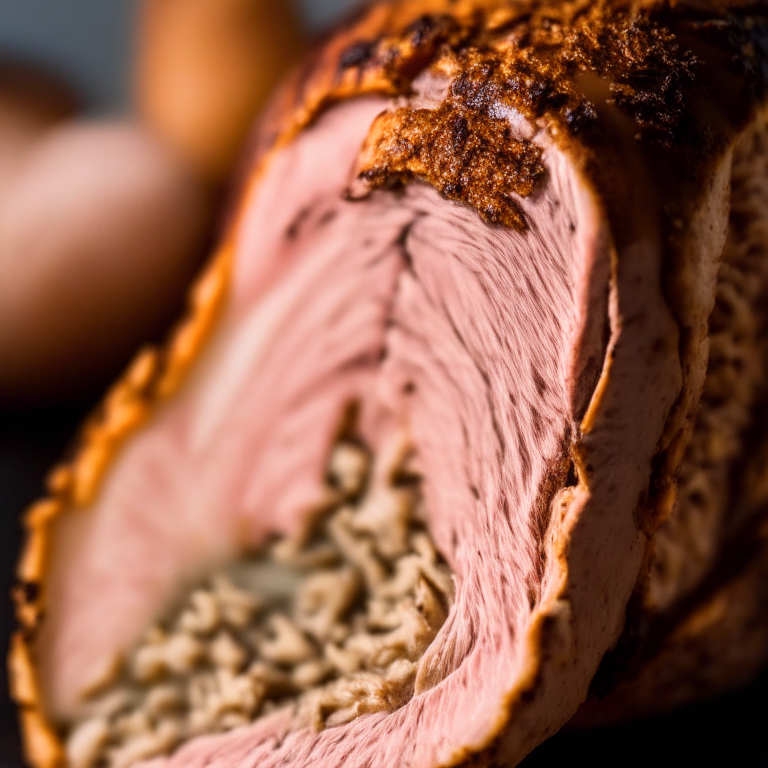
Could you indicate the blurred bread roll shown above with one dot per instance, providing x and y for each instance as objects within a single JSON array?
[
  {"x": 204, "y": 69},
  {"x": 32, "y": 101},
  {"x": 103, "y": 230}
]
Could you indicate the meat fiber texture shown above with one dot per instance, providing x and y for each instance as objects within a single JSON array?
[{"x": 495, "y": 225}]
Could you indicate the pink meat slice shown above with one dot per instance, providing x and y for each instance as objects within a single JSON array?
[{"x": 481, "y": 340}]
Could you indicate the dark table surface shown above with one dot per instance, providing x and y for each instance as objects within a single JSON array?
[{"x": 731, "y": 731}]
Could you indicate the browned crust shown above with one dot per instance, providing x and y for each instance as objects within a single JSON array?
[
  {"x": 628, "y": 47},
  {"x": 467, "y": 156}
]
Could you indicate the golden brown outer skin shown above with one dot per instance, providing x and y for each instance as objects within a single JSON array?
[{"x": 559, "y": 51}]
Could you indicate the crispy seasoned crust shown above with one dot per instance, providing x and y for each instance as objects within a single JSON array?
[
  {"x": 653, "y": 89},
  {"x": 467, "y": 156}
]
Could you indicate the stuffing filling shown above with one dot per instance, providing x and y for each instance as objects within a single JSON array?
[{"x": 331, "y": 622}]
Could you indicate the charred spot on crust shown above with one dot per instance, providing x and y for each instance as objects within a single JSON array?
[
  {"x": 647, "y": 73},
  {"x": 572, "y": 479},
  {"x": 358, "y": 54},
  {"x": 27, "y": 592},
  {"x": 422, "y": 30},
  {"x": 659, "y": 107},
  {"x": 29, "y": 612},
  {"x": 746, "y": 38},
  {"x": 580, "y": 117},
  {"x": 419, "y": 45}
]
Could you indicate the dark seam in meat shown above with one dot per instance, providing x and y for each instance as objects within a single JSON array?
[
  {"x": 363, "y": 360},
  {"x": 357, "y": 54},
  {"x": 402, "y": 242},
  {"x": 553, "y": 480},
  {"x": 538, "y": 381},
  {"x": 327, "y": 217},
  {"x": 399, "y": 244},
  {"x": 293, "y": 229},
  {"x": 572, "y": 478},
  {"x": 391, "y": 322},
  {"x": 394, "y": 323},
  {"x": 386, "y": 253}
]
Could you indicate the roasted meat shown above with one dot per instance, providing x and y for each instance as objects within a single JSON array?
[{"x": 530, "y": 237}]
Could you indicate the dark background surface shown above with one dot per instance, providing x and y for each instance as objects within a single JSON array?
[{"x": 89, "y": 41}]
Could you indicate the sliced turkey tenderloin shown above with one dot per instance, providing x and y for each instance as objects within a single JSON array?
[{"x": 495, "y": 226}]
